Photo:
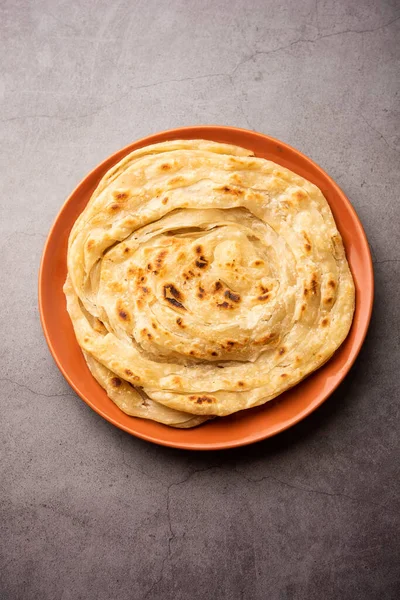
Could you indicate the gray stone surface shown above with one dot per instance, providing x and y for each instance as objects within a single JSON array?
[{"x": 88, "y": 512}]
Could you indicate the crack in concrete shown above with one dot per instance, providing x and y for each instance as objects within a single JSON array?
[
  {"x": 130, "y": 467},
  {"x": 19, "y": 384},
  {"x": 308, "y": 41},
  {"x": 240, "y": 103},
  {"x": 121, "y": 97},
  {"x": 309, "y": 490},
  {"x": 205, "y": 76},
  {"x": 379, "y": 133},
  {"x": 172, "y": 535}
]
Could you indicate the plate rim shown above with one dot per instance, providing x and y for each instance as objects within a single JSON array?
[{"x": 254, "y": 436}]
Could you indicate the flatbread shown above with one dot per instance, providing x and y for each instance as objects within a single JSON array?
[{"x": 206, "y": 280}]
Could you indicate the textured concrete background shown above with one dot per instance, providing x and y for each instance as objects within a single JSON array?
[{"x": 88, "y": 512}]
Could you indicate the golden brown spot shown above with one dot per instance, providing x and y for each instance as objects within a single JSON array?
[
  {"x": 324, "y": 322},
  {"x": 201, "y": 292},
  {"x": 180, "y": 322},
  {"x": 128, "y": 372},
  {"x": 282, "y": 351},
  {"x": 166, "y": 167},
  {"x": 86, "y": 339},
  {"x": 306, "y": 292},
  {"x": 160, "y": 258},
  {"x": 241, "y": 383},
  {"x": 201, "y": 262},
  {"x": 175, "y": 180},
  {"x": 303, "y": 307},
  {"x": 224, "y": 305},
  {"x": 192, "y": 353},
  {"x": 307, "y": 247},
  {"x": 232, "y": 296},
  {"x": 172, "y": 290},
  {"x": 283, "y": 375},
  {"x": 122, "y": 311},
  {"x": 230, "y": 345},
  {"x": 145, "y": 290},
  {"x": 118, "y": 195},
  {"x": 217, "y": 286},
  {"x": 90, "y": 244},
  {"x": 116, "y": 382},
  {"x": 258, "y": 263},
  {"x": 263, "y": 289},
  {"x": 266, "y": 339},
  {"x": 173, "y": 296},
  {"x": 236, "y": 179},
  {"x": 115, "y": 207},
  {"x": 213, "y": 353},
  {"x": 154, "y": 325},
  {"x": 314, "y": 283},
  {"x": 229, "y": 190},
  {"x": 338, "y": 249},
  {"x": 188, "y": 275},
  {"x": 176, "y": 380},
  {"x": 263, "y": 298},
  {"x": 299, "y": 195},
  {"x": 132, "y": 222},
  {"x": 202, "y": 399},
  {"x": 131, "y": 271},
  {"x": 328, "y": 300},
  {"x": 332, "y": 284},
  {"x": 236, "y": 162},
  {"x": 165, "y": 200},
  {"x": 127, "y": 250},
  {"x": 305, "y": 236},
  {"x": 99, "y": 326}
]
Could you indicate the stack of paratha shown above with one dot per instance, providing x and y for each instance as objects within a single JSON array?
[{"x": 203, "y": 280}]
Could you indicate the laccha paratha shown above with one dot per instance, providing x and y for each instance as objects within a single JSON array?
[{"x": 203, "y": 280}]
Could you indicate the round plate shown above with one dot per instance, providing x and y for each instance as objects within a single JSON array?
[{"x": 247, "y": 426}]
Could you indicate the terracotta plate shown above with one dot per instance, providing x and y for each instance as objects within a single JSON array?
[{"x": 247, "y": 426}]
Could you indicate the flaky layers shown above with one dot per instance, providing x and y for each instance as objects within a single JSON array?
[{"x": 203, "y": 281}]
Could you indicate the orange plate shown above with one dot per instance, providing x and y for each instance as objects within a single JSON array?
[{"x": 247, "y": 426}]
